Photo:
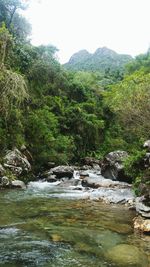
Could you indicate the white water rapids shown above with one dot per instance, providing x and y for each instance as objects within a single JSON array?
[{"x": 109, "y": 191}]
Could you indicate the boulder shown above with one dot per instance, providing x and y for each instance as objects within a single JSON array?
[
  {"x": 84, "y": 173},
  {"x": 91, "y": 161},
  {"x": 4, "y": 181},
  {"x": 116, "y": 157},
  {"x": 51, "y": 164},
  {"x": 144, "y": 186},
  {"x": 144, "y": 190},
  {"x": 112, "y": 166},
  {"x": 147, "y": 145},
  {"x": 100, "y": 181},
  {"x": 14, "y": 169},
  {"x": 2, "y": 171},
  {"x": 142, "y": 208},
  {"x": 62, "y": 171},
  {"x": 51, "y": 178},
  {"x": 27, "y": 153},
  {"x": 70, "y": 182},
  {"x": 18, "y": 184},
  {"x": 146, "y": 161},
  {"x": 97, "y": 167},
  {"x": 127, "y": 255},
  {"x": 142, "y": 224},
  {"x": 16, "y": 162},
  {"x": 86, "y": 167}
]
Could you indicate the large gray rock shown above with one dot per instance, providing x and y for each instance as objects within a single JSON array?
[
  {"x": 107, "y": 190},
  {"x": 113, "y": 168},
  {"x": 27, "y": 153},
  {"x": 100, "y": 181},
  {"x": 113, "y": 195},
  {"x": 18, "y": 184},
  {"x": 147, "y": 145},
  {"x": 16, "y": 162},
  {"x": 145, "y": 162},
  {"x": 85, "y": 167},
  {"x": 144, "y": 190},
  {"x": 142, "y": 208},
  {"x": 144, "y": 187},
  {"x": 51, "y": 178},
  {"x": 4, "y": 181},
  {"x": 116, "y": 157},
  {"x": 91, "y": 161},
  {"x": 14, "y": 169},
  {"x": 84, "y": 173},
  {"x": 62, "y": 171}
]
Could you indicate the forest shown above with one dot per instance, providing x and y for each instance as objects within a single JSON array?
[{"x": 64, "y": 115}]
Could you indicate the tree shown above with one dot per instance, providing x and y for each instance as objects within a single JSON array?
[
  {"x": 46, "y": 142},
  {"x": 15, "y": 23},
  {"x": 13, "y": 88},
  {"x": 5, "y": 43},
  {"x": 129, "y": 100}
]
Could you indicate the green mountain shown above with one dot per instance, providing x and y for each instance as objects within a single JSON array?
[{"x": 103, "y": 58}]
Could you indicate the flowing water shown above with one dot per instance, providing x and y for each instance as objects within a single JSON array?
[{"x": 45, "y": 226}]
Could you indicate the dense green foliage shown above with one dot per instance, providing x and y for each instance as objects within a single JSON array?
[
  {"x": 55, "y": 113},
  {"x": 62, "y": 115},
  {"x": 128, "y": 101}
]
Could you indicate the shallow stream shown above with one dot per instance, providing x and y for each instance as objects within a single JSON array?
[{"x": 50, "y": 227}]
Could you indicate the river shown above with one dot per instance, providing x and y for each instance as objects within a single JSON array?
[{"x": 49, "y": 227}]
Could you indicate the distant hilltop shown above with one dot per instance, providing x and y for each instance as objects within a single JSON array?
[{"x": 102, "y": 59}]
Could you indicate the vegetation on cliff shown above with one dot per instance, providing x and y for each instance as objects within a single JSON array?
[{"x": 102, "y": 60}]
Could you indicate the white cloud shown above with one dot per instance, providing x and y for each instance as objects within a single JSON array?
[{"x": 71, "y": 25}]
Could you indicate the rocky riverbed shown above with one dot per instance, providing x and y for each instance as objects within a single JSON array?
[
  {"x": 89, "y": 184},
  {"x": 49, "y": 225},
  {"x": 64, "y": 217},
  {"x": 103, "y": 181}
]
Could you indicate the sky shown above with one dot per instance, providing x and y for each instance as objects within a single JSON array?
[{"x": 73, "y": 25}]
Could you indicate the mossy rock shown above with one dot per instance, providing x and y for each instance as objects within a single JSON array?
[
  {"x": 56, "y": 238},
  {"x": 127, "y": 255}
]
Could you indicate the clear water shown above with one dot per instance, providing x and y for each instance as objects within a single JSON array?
[{"x": 49, "y": 228}]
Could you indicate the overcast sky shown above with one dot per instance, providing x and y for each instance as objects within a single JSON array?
[{"x": 72, "y": 25}]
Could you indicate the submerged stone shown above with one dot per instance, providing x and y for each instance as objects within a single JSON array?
[
  {"x": 56, "y": 238},
  {"x": 127, "y": 255}
]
